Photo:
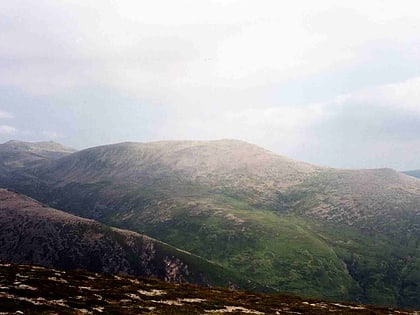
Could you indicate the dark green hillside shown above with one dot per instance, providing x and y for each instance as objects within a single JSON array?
[
  {"x": 33, "y": 233},
  {"x": 293, "y": 227}
]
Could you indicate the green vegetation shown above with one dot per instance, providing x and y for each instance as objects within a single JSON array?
[
  {"x": 387, "y": 273},
  {"x": 277, "y": 251}
]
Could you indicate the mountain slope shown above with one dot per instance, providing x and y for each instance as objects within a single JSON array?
[
  {"x": 373, "y": 199},
  {"x": 175, "y": 167},
  {"x": 35, "y": 234},
  {"x": 337, "y": 234}
]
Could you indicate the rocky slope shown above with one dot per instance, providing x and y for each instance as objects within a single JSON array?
[
  {"x": 36, "y": 290},
  {"x": 373, "y": 198},
  {"x": 33, "y": 233},
  {"x": 295, "y": 227}
]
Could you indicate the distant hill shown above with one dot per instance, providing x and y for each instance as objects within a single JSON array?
[
  {"x": 37, "y": 290},
  {"x": 294, "y": 227},
  {"x": 15, "y": 154},
  {"x": 414, "y": 173},
  {"x": 32, "y": 233}
]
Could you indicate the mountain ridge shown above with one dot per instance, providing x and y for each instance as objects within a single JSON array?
[{"x": 16, "y": 154}]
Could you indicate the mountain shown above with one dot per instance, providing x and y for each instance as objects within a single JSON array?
[
  {"x": 414, "y": 173},
  {"x": 294, "y": 227},
  {"x": 35, "y": 234},
  {"x": 37, "y": 290},
  {"x": 18, "y": 154}
]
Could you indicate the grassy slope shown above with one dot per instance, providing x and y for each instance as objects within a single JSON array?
[
  {"x": 292, "y": 253},
  {"x": 385, "y": 268},
  {"x": 275, "y": 250}
]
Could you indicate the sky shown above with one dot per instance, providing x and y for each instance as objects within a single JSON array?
[{"x": 334, "y": 83}]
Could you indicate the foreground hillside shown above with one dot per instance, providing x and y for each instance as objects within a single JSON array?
[
  {"x": 33, "y": 233},
  {"x": 293, "y": 227},
  {"x": 37, "y": 290}
]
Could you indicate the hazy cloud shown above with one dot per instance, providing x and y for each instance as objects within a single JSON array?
[
  {"x": 51, "y": 135},
  {"x": 7, "y": 130},
  {"x": 324, "y": 81},
  {"x": 4, "y": 114}
]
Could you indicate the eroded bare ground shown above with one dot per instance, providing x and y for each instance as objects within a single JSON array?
[{"x": 37, "y": 290}]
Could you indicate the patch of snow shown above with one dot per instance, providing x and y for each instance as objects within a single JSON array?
[
  {"x": 99, "y": 297},
  {"x": 86, "y": 288},
  {"x": 134, "y": 281},
  {"x": 26, "y": 287},
  {"x": 349, "y": 306},
  {"x": 153, "y": 292},
  {"x": 192, "y": 300},
  {"x": 58, "y": 302},
  {"x": 99, "y": 309},
  {"x": 231, "y": 309},
  {"x": 169, "y": 302},
  {"x": 57, "y": 279},
  {"x": 287, "y": 312},
  {"x": 133, "y": 296}
]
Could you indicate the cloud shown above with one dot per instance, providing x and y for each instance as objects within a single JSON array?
[
  {"x": 7, "y": 130},
  {"x": 376, "y": 127},
  {"x": 4, "y": 114},
  {"x": 39, "y": 51},
  {"x": 324, "y": 81},
  {"x": 143, "y": 50},
  {"x": 404, "y": 95},
  {"x": 51, "y": 135},
  {"x": 286, "y": 117}
]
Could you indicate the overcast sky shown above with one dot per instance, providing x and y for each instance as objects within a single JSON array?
[{"x": 334, "y": 83}]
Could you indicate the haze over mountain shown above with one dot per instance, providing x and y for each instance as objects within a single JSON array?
[
  {"x": 15, "y": 154},
  {"x": 291, "y": 226},
  {"x": 414, "y": 173}
]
